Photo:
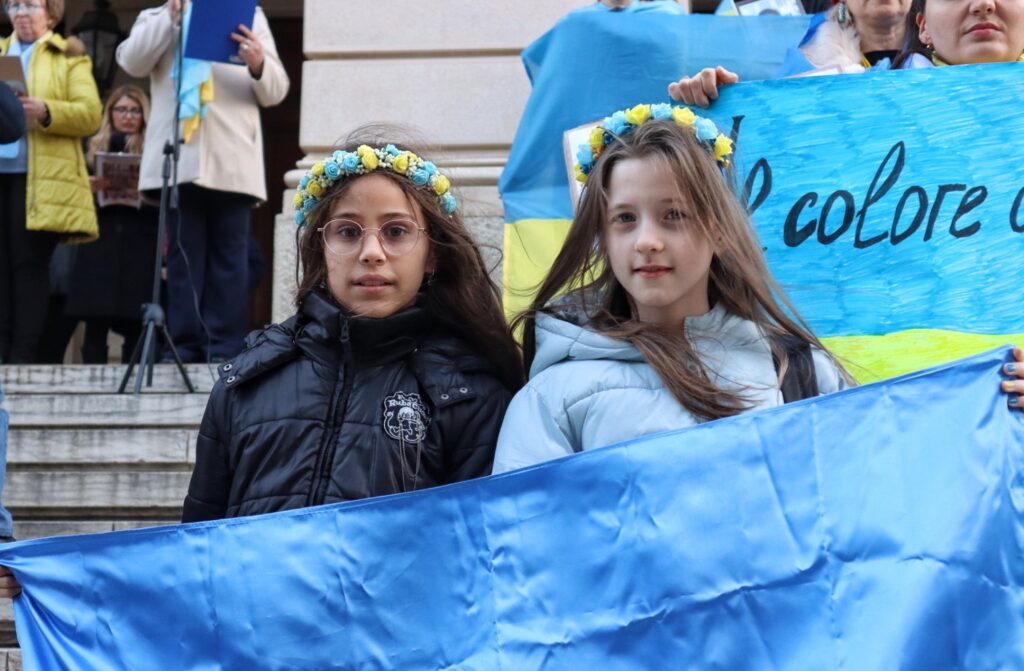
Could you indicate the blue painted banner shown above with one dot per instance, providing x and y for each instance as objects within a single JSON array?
[
  {"x": 890, "y": 206},
  {"x": 881, "y": 527}
]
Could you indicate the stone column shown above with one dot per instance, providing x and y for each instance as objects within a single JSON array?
[{"x": 447, "y": 69}]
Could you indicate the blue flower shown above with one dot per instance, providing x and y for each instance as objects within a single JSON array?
[
  {"x": 351, "y": 162},
  {"x": 308, "y": 204},
  {"x": 300, "y": 218},
  {"x": 391, "y": 149},
  {"x": 304, "y": 181},
  {"x": 419, "y": 177},
  {"x": 661, "y": 111},
  {"x": 430, "y": 168},
  {"x": 338, "y": 156},
  {"x": 448, "y": 203},
  {"x": 585, "y": 156},
  {"x": 706, "y": 129},
  {"x": 617, "y": 124},
  {"x": 332, "y": 170}
]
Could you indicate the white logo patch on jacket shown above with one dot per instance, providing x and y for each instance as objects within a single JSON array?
[{"x": 406, "y": 417}]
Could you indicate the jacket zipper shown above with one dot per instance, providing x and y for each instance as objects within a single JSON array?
[{"x": 325, "y": 458}]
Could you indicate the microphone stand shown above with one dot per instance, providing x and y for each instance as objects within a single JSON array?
[{"x": 154, "y": 322}]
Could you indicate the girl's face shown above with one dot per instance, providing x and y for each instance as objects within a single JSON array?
[
  {"x": 973, "y": 31},
  {"x": 367, "y": 276},
  {"x": 656, "y": 251},
  {"x": 126, "y": 115}
]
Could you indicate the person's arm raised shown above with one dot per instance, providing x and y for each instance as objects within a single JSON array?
[
  {"x": 271, "y": 85},
  {"x": 702, "y": 88},
  {"x": 152, "y": 35}
]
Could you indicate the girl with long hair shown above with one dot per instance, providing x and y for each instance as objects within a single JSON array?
[
  {"x": 113, "y": 277},
  {"x": 659, "y": 312},
  {"x": 395, "y": 371}
]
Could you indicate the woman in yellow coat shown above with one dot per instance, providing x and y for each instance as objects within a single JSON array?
[{"x": 44, "y": 186}]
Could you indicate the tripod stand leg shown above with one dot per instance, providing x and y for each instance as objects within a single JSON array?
[
  {"x": 131, "y": 363},
  {"x": 147, "y": 355},
  {"x": 177, "y": 359}
]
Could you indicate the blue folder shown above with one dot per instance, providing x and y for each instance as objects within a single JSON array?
[{"x": 213, "y": 21}]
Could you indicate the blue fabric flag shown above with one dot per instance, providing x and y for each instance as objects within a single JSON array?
[
  {"x": 595, "y": 61},
  {"x": 877, "y": 528}
]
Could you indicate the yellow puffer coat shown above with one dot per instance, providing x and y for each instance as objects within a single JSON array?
[{"x": 58, "y": 198}]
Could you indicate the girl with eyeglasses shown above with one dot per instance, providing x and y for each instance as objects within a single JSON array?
[
  {"x": 44, "y": 189},
  {"x": 113, "y": 277},
  {"x": 395, "y": 372}
]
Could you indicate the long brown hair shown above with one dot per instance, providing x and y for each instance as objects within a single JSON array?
[
  {"x": 133, "y": 143},
  {"x": 461, "y": 295},
  {"x": 739, "y": 276}
]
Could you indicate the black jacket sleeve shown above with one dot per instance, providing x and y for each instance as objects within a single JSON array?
[
  {"x": 210, "y": 487},
  {"x": 12, "y": 116},
  {"x": 475, "y": 429}
]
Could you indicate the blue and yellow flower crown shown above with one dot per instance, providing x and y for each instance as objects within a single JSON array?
[
  {"x": 364, "y": 160},
  {"x": 705, "y": 130}
]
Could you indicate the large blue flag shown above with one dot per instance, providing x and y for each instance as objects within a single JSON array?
[{"x": 877, "y": 528}]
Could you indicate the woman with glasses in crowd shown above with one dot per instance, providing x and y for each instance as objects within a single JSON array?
[
  {"x": 44, "y": 188},
  {"x": 113, "y": 277}
]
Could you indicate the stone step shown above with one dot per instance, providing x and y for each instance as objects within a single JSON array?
[
  {"x": 28, "y": 529},
  {"x": 101, "y": 446},
  {"x": 105, "y": 410},
  {"x": 70, "y": 494},
  {"x": 10, "y": 659},
  {"x": 82, "y": 379}
]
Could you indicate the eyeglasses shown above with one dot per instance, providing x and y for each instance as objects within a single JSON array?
[
  {"x": 128, "y": 111},
  {"x": 345, "y": 237},
  {"x": 16, "y": 8}
]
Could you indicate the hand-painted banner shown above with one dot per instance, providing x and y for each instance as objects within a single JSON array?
[
  {"x": 890, "y": 206},
  {"x": 881, "y": 527}
]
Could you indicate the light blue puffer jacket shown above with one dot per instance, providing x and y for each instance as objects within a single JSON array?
[{"x": 587, "y": 390}]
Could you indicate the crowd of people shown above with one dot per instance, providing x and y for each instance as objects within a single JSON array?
[
  {"x": 398, "y": 370},
  {"x": 104, "y": 270}
]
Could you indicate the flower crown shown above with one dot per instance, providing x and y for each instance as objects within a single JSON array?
[
  {"x": 364, "y": 160},
  {"x": 707, "y": 133}
]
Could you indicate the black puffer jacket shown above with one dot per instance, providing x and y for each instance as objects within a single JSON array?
[{"x": 327, "y": 407}]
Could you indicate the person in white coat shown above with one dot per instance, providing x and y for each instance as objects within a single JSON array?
[{"x": 220, "y": 171}]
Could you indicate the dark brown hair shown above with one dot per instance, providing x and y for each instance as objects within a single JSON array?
[
  {"x": 912, "y": 43},
  {"x": 461, "y": 295},
  {"x": 739, "y": 276}
]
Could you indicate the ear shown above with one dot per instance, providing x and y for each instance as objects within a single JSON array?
[{"x": 922, "y": 29}]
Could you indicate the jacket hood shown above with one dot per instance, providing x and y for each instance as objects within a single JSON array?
[{"x": 563, "y": 337}]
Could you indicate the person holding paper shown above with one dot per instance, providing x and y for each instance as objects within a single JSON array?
[
  {"x": 44, "y": 189},
  {"x": 220, "y": 172},
  {"x": 12, "y": 117},
  {"x": 113, "y": 277}
]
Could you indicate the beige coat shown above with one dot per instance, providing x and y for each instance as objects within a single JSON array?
[{"x": 226, "y": 153}]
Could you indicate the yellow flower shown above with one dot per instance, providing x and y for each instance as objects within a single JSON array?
[
  {"x": 683, "y": 116},
  {"x": 723, "y": 147},
  {"x": 317, "y": 169},
  {"x": 441, "y": 184},
  {"x": 362, "y": 149},
  {"x": 401, "y": 163},
  {"x": 596, "y": 140},
  {"x": 370, "y": 160},
  {"x": 315, "y": 188},
  {"x": 298, "y": 199},
  {"x": 580, "y": 175},
  {"x": 638, "y": 114}
]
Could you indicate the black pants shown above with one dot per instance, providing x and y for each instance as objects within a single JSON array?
[
  {"x": 214, "y": 234},
  {"x": 94, "y": 348},
  {"x": 24, "y": 275}
]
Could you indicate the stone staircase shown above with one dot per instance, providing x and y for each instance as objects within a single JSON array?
[{"x": 83, "y": 459}]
